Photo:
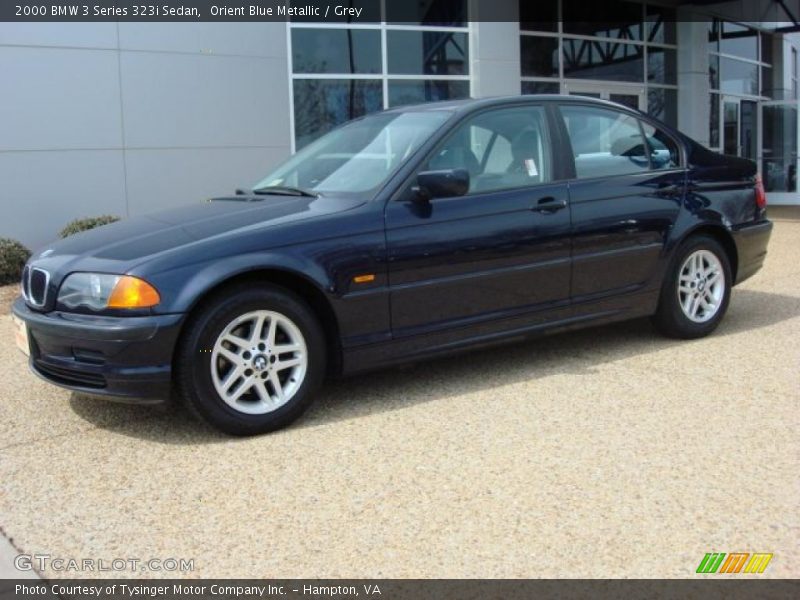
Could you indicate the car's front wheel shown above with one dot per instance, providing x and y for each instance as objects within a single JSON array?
[
  {"x": 697, "y": 289},
  {"x": 251, "y": 360}
]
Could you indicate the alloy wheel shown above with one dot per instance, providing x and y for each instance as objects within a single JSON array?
[
  {"x": 258, "y": 362},
  {"x": 701, "y": 286}
]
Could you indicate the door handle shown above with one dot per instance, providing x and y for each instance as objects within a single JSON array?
[{"x": 548, "y": 204}]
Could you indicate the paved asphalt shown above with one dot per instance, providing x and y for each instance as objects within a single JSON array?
[{"x": 605, "y": 453}]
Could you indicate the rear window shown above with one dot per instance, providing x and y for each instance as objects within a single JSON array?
[{"x": 605, "y": 142}]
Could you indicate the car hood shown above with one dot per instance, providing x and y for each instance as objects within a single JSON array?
[{"x": 128, "y": 242}]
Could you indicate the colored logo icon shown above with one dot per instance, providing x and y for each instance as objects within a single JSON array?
[{"x": 736, "y": 562}]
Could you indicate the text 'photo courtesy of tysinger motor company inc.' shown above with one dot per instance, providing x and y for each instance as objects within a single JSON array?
[{"x": 411, "y": 300}]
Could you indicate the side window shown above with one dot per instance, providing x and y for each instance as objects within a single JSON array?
[
  {"x": 492, "y": 150},
  {"x": 480, "y": 141},
  {"x": 500, "y": 158},
  {"x": 664, "y": 152},
  {"x": 501, "y": 149},
  {"x": 604, "y": 142}
]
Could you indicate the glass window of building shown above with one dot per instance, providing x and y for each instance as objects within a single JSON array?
[
  {"x": 340, "y": 71},
  {"x": 713, "y": 123},
  {"x": 540, "y": 87},
  {"x": 713, "y": 71},
  {"x": 336, "y": 50},
  {"x": 662, "y": 103},
  {"x": 730, "y": 127},
  {"x": 416, "y": 91},
  {"x": 608, "y": 61},
  {"x": 767, "y": 41},
  {"x": 738, "y": 40},
  {"x": 779, "y": 165},
  {"x": 427, "y": 52},
  {"x": 539, "y": 56},
  {"x": 662, "y": 65},
  {"x": 623, "y": 51},
  {"x": 660, "y": 23},
  {"x": 322, "y": 104},
  {"x": 740, "y": 76},
  {"x": 713, "y": 35}
]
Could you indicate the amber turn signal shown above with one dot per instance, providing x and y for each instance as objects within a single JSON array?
[{"x": 131, "y": 292}]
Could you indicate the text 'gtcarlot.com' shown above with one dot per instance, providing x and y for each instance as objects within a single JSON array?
[{"x": 46, "y": 562}]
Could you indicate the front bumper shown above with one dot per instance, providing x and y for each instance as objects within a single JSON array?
[
  {"x": 751, "y": 248},
  {"x": 122, "y": 358}
]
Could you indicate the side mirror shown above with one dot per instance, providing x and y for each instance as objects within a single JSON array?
[{"x": 441, "y": 184}]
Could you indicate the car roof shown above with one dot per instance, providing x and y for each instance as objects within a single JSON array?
[{"x": 470, "y": 104}]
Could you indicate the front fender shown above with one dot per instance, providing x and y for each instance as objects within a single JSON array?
[{"x": 181, "y": 288}]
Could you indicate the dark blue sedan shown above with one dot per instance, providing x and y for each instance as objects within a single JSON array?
[{"x": 400, "y": 236}]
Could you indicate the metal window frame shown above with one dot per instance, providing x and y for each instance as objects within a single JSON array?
[
  {"x": 565, "y": 82},
  {"x": 384, "y": 76}
]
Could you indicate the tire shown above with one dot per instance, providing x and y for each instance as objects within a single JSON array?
[
  {"x": 696, "y": 292},
  {"x": 244, "y": 383}
]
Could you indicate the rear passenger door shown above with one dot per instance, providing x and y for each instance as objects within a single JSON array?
[{"x": 625, "y": 197}]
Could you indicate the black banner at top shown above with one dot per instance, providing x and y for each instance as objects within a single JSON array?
[
  {"x": 443, "y": 13},
  {"x": 354, "y": 11}
]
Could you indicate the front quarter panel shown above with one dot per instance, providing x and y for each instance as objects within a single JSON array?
[{"x": 329, "y": 257}]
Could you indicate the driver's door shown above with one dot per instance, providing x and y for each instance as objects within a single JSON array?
[{"x": 494, "y": 258}]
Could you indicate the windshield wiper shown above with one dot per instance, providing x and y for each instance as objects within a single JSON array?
[{"x": 286, "y": 191}]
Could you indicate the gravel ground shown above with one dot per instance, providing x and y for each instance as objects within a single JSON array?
[
  {"x": 610, "y": 452},
  {"x": 7, "y": 295}
]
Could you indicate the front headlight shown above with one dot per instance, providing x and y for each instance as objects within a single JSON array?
[{"x": 98, "y": 291}]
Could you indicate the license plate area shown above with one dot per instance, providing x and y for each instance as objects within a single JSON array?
[{"x": 21, "y": 335}]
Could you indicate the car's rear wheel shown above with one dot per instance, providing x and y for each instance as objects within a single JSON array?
[
  {"x": 251, "y": 360},
  {"x": 697, "y": 290}
]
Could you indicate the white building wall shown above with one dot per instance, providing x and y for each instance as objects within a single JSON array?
[
  {"x": 495, "y": 64},
  {"x": 693, "y": 84},
  {"x": 107, "y": 118}
]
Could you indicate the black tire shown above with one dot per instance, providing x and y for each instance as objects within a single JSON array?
[
  {"x": 194, "y": 380},
  {"x": 670, "y": 319}
]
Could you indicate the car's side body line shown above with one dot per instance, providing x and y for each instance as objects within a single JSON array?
[{"x": 516, "y": 328}]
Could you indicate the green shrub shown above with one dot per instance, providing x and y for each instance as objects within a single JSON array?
[
  {"x": 13, "y": 257},
  {"x": 86, "y": 224}
]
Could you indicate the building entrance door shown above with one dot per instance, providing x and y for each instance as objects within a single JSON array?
[
  {"x": 740, "y": 127},
  {"x": 631, "y": 96},
  {"x": 779, "y": 160}
]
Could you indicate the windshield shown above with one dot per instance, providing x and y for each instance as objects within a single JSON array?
[{"x": 357, "y": 157}]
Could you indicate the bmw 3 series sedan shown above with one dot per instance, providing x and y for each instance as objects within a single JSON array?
[{"x": 401, "y": 236}]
